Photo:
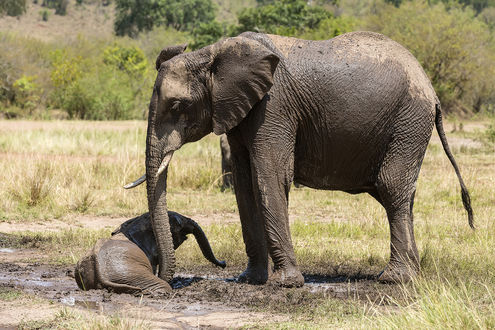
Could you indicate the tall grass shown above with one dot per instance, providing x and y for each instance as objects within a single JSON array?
[{"x": 64, "y": 169}]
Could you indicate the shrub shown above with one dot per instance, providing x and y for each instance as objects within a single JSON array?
[
  {"x": 331, "y": 27},
  {"x": 101, "y": 95},
  {"x": 134, "y": 16},
  {"x": 60, "y": 6},
  {"x": 129, "y": 59},
  {"x": 454, "y": 47},
  {"x": 285, "y": 17},
  {"x": 12, "y": 7},
  {"x": 44, "y": 15},
  {"x": 206, "y": 34},
  {"x": 24, "y": 73},
  {"x": 26, "y": 92}
]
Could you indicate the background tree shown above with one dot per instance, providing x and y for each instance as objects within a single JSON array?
[
  {"x": 285, "y": 17},
  {"x": 454, "y": 47},
  {"x": 12, "y": 7},
  {"x": 60, "y": 6},
  {"x": 134, "y": 16},
  {"x": 206, "y": 34}
]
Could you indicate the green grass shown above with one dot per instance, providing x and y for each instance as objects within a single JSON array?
[
  {"x": 73, "y": 319},
  {"x": 9, "y": 294},
  {"x": 65, "y": 169}
]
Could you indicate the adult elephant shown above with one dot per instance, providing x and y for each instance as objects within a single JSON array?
[{"x": 353, "y": 113}]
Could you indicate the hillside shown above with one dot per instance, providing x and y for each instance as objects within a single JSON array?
[{"x": 89, "y": 19}]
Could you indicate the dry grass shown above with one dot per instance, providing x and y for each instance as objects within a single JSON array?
[
  {"x": 90, "y": 20},
  {"x": 59, "y": 169}
]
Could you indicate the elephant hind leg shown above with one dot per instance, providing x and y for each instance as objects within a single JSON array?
[{"x": 396, "y": 187}]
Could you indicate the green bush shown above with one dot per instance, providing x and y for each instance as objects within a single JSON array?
[
  {"x": 101, "y": 95},
  {"x": 331, "y": 27},
  {"x": 454, "y": 47},
  {"x": 60, "y": 6},
  {"x": 24, "y": 73},
  {"x": 134, "y": 16},
  {"x": 26, "y": 92},
  {"x": 129, "y": 59},
  {"x": 206, "y": 34},
  {"x": 99, "y": 88},
  {"x": 12, "y": 7},
  {"x": 44, "y": 15},
  {"x": 285, "y": 17}
]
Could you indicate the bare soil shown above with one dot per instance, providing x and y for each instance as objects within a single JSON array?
[{"x": 202, "y": 297}]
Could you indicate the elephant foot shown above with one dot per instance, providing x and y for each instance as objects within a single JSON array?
[
  {"x": 397, "y": 274},
  {"x": 254, "y": 275},
  {"x": 287, "y": 277}
]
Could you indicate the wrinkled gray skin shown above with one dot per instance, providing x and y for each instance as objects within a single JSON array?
[
  {"x": 353, "y": 113},
  {"x": 227, "y": 178},
  {"x": 127, "y": 262}
]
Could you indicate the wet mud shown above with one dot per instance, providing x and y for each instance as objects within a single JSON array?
[{"x": 202, "y": 297}]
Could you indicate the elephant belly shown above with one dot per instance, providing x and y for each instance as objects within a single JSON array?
[
  {"x": 123, "y": 262},
  {"x": 359, "y": 101},
  {"x": 338, "y": 166}
]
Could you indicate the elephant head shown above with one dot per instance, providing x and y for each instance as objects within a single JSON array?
[
  {"x": 209, "y": 90},
  {"x": 139, "y": 231}
]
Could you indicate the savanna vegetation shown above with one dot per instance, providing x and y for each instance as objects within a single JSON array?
[
  {"x": 72, "y": 168},
  {"x": 64, "y": 170},
  {"x": 110, "y": 77}
]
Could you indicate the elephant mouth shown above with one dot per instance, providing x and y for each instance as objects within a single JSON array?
[{"x": 163, "y": 166}]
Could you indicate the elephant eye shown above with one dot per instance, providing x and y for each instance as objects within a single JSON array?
[{"x": 175, "y": 105}]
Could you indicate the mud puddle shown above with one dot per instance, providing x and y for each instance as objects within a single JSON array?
[
  {"x": 56, "y": 284},
  {"x": 201, "y": 297}
]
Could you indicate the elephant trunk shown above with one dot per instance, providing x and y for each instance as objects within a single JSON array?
[
  {"x": 156, "y": 186},
  {"x": 204, "y": 244}
]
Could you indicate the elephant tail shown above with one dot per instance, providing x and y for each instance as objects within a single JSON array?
[{"x": 466, "y": 200}]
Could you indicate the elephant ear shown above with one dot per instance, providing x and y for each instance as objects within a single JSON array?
[
  {"x": 241, "y": 74},
  {"x": 168, "y": 52}
]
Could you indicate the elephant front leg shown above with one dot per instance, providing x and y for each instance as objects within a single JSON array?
[
  {"x": 252, "y": 226},
  {"x": 272, "y": 186}
]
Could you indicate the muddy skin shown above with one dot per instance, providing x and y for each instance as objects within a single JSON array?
[
  {"x": 354, "y": 113},
  {"x": 127, "y": 262}
]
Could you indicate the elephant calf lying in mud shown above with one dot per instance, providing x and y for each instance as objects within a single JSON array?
[{"x": 127, "y": 262}]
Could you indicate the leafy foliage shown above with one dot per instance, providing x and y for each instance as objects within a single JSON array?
[
  {"x": 478, "y": 5},
  {"x": 134, "y": 16},
  {"x": 12, "y": 7},
  {"x": 60, "y": 6},
  {"x": 129, "y": 59},
  {"x": 206, "y": 34},
  {"x": 285, "y": 17},
  {"x": 453, "y": 40},
  {"x": 26, "y": 92},
  {"x": 454, "y": 47},
  {"x": 331, "y": 27}
]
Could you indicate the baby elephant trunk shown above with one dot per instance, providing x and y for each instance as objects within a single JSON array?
[{"x": 204, "y": 244}]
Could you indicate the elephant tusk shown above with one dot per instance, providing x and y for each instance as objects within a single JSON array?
[
  {"x": 164, "y": 163},
  {"x": 135, "y": 183}
]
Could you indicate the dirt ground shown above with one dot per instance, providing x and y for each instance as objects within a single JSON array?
[{"x": 202, "y": 298}]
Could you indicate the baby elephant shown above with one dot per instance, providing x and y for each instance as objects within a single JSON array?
[{"x": 127, "y": 262}]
